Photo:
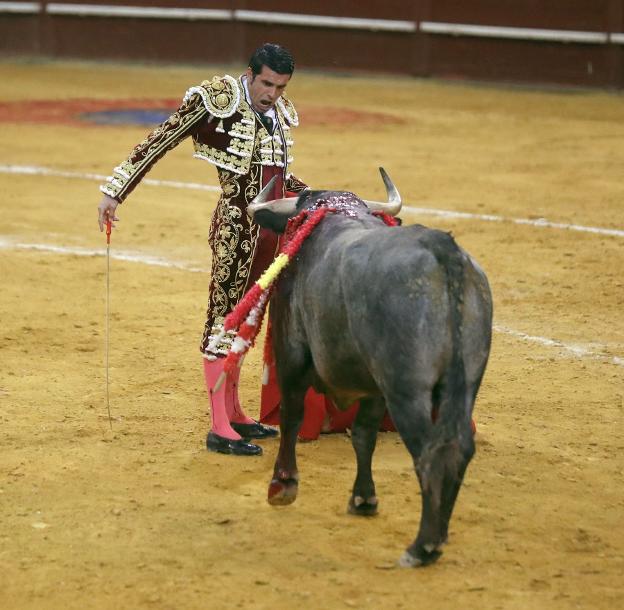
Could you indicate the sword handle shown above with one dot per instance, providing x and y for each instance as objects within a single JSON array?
[{"x": 108, "y": 231}]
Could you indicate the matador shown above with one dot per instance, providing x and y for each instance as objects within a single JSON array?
[{"x": 244, "y": 127}]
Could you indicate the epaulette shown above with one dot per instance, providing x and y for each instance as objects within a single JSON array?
[
  {"x": 288, "y": 110},
  {"x": 221, "y": 95}
]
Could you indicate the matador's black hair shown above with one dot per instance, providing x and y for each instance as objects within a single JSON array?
[{"x": 273, "y": 56}]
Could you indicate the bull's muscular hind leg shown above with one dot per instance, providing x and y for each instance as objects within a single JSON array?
[
  {"x": 412, "y": 418},
  {"x": 285, "y": 482},
  {"x": 440, "y": 471},
  {"x": 363, "y": 500},
  {"x": 455, "y": 475}
]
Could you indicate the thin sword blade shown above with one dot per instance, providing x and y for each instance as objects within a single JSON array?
[{"x": 108, "y": 232}]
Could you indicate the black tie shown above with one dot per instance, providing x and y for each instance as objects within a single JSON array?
[{"x": 267, "y": 121}]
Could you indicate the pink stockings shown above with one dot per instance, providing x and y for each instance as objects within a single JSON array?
[
  {"x": 232, "y": 404},
  {"x": 224, "y": 404}
]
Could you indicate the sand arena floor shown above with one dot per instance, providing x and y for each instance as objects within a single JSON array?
[{"x": 145, "y": 517}]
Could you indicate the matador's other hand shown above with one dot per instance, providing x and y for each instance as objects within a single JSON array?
[{"x": 106, "y": 211}]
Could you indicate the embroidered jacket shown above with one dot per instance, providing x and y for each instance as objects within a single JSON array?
[
  {"x": 225, "y": 131},
  {"x": 228, "y": 133}
]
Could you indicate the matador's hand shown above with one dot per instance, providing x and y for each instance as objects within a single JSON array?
[{"x": 106, "y": 211}]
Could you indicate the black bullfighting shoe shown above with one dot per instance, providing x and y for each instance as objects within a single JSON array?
[
  {"x": 255, "y": 430},
  {"x": 220, "y": 444}
]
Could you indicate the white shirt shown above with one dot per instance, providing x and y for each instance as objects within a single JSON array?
[{"x": 270, "y": 112}]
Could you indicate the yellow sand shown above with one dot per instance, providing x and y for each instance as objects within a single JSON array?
[{"x": 145, "y": 517}]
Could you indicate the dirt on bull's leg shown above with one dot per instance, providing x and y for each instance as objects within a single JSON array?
[{"x": 283, "y": 489}]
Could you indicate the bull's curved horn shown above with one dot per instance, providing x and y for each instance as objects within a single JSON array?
[
  {"x": 393, "y": 207},
  {"x": 279, "y": 206}
]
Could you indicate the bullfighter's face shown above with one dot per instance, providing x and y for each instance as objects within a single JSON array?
[{"x": 265, "y": 88}]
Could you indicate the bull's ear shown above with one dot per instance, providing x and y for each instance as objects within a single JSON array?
[{"x": 272, "y": 221}]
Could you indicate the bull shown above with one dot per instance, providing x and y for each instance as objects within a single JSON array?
[{"x": 397, "y": 317}]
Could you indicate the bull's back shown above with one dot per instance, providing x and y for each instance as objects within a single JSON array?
[{"x": 385, "y": 305}]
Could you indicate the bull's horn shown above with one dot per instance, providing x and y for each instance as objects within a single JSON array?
[
  {"x": 263, "y": 195},
  {"x": 393, "y": 207},
  {"x": 279, "y": 206}
]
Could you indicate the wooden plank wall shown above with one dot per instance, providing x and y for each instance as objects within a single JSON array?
[{"x": 561, "y": 42}]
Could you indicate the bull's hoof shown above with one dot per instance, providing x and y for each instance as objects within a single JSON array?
[
  {"x": 420, "y": 557},
  {"x": 282, "y": 491},
  {"x": 363, "y": 507}
]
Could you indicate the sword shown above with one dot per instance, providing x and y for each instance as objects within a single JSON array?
[{"x": 108, "y": 234}]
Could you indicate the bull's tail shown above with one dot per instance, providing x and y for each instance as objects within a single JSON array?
[
  {"x": 449, "y": 447},
  {"x": 453, "y": 406},
  {"x": 451, "y": 412}
]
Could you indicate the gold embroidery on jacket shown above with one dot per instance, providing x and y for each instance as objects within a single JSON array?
[
  {"x": 232, "y": 237},
  {"x": 248, "y": 134},
  {"x": 237, "y": 155},
  {"x": 164, "y": 137},
  {"x": 220, "y": 95}
]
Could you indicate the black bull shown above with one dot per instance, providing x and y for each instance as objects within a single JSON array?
[{"x": 399, "y": 318}]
